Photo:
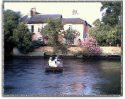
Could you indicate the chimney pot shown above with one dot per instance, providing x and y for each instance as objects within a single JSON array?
[{"x": 33, "y": 12}]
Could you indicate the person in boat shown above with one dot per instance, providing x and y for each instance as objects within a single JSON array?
[
  {"x": 58, "y": 61},
  {"x": 52, "y": 62}
]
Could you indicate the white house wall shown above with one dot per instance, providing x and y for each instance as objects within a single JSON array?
[
  {"x": 78, "y": 27},
  {"x": 37, "y": 34},
  {"x": 36, "y": 26}
]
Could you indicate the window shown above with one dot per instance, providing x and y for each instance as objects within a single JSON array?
[
  {"x": 39, "y": 30},
  {"x": 70, "y": 40},
  {"x": 32, "y": 28},
  {"x": 70, "y": 27}
]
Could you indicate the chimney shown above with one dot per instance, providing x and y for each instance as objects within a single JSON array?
[{"x": 33, "y": 12}]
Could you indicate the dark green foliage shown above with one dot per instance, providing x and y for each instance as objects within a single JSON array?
[
  {"x": 11, "y": 20},
  {"x": 52, "y": 30},
  {"x": 17, "y": 34},
  {"x": 62, "y": 48},
  {"x": 109, "y": 31},
  {"x": 113, "y": 12},
  {"x": 22, "y": 38},
  {"x": 37, "y": 44},
  {"x": 105, "y": 34},
  {"x": 70, "y": 35}
]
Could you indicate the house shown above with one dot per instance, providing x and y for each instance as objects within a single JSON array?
[
  {"x": 77, "y": 24},
  {"x": 37, "y": 21}
]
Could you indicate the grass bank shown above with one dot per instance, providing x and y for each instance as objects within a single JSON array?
[{"x": 73, "y": 51}]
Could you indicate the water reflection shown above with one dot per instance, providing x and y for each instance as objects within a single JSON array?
[{"x": 80, "y": 78}]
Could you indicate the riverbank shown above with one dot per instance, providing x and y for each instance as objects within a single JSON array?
[{"x": 73, "y": 52}]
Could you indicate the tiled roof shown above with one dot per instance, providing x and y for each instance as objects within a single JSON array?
[
  {"x": 41, "y": 18},
  {"x": 24, "y": 19},
  {"x": 72, "y": 21}
]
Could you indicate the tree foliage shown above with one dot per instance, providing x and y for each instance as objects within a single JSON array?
[
  {"x": 70, "y": 33},
  {"x": 112, "y": 12},
  {"x": 108, "y": 31},
  {"x": 11, "y": 21},
  {"x": 22, "y": 38},
  {"x": 52, "y": 30}
]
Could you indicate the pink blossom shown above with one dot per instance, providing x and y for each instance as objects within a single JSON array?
[{"x": 90, "y": 46}]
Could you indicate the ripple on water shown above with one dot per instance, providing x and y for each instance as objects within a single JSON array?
[{"x": 27, "y": 76}]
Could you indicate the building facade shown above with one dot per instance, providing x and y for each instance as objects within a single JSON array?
[{"x": 37, "y": 21}]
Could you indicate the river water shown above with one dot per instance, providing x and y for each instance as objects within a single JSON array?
[{"x": 26, "y": 76}]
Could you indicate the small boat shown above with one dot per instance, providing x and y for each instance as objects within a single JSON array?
[
  {"x": 54, "y": 65},
  {"x": 53, "y": 69}
]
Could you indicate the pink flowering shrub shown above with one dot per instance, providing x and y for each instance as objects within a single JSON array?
[{"x": 90, "y": 47}]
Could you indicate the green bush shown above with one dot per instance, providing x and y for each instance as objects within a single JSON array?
[
  {"x": 11, "y": 21},
  {"x": 22, "y": 38},
  {"x": 60, "y": 49},
  {"x": 37, "y": 44}
]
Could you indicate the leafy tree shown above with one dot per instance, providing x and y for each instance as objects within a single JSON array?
[
  {"x": 22, "y": 38},
  {"x": 52, "y": 30},
  {"x": 100, "y": 32},
  {"x": 112, "y": 12},
  {"x": 11, "y": 20},
  {"x": 105, "y": 34},
  {"x": 37, "y": 44},
  {"x": 70, "y": 34},
  {"x": 108, "y": 31}
]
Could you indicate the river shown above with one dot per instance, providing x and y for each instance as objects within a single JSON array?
[{"x": 26, "y": 76}]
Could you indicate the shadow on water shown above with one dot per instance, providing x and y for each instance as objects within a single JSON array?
[{"x": 26, "y": 76}]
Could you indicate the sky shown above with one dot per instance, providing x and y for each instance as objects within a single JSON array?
[{"x": 89, "y": 11}]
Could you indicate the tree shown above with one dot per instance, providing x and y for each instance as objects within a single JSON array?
[
  {"x": 100, "y": 32},
  {"x": 52, "y": 30},
  {"x": 105, "y": 34},
  {"x": 11, "y": 21},
  {"x": 108, "y": 31},
  {"x": 70, "y": 34},
  {"x": 22, "y": 38},
  {"x": 112, "y": 13}
]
